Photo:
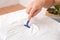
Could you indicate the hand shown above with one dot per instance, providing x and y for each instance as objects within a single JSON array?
[{"x": 35, "y": 7}]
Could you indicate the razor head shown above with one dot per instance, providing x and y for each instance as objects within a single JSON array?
[{"x": 27, "y": 24}]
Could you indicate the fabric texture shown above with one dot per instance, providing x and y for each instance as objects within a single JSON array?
[{"x": 42, "y": 27}]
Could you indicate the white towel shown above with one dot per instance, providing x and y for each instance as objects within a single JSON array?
[{"x": 42, "y": 27}]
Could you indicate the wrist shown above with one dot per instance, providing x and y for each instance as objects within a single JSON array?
[
  {"x": 49, "y": 3},
  {"x": 57, "y": 2}
]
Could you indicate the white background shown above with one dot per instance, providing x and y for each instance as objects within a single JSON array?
[{"x": 5, "y": 3}]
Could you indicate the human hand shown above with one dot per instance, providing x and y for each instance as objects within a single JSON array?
[{"x": 35, "y": 7}]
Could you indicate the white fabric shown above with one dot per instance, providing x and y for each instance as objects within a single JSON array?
[{"x": 42, "y": 27}]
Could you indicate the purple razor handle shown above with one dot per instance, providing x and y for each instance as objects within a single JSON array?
[{"x": 27, "y": 24}]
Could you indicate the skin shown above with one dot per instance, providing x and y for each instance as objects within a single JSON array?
[{"x": 35, "y": 6}]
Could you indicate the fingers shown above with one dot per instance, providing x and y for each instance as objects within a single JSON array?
[
  {"x": 36, "y": 13},
  {"x": 32, "y": 11},
  {"x": 29, "y": 8}
]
